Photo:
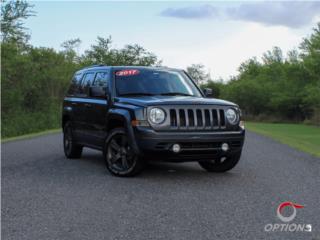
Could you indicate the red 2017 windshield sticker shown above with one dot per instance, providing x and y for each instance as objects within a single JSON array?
[{"x": 127, "y": 72}]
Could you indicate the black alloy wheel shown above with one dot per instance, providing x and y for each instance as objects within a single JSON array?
[{"x": 120, "y": 157}]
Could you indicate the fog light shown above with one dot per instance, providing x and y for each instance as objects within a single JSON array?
[
  {"x": 225, "y": 147},
  {"x": 176, "y": 148}
]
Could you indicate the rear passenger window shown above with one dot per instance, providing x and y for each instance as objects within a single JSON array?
[
  {"x": 101, "y": 79},
  {"x": 86, "y": 83},
  {"x": 75, "y": 84}
]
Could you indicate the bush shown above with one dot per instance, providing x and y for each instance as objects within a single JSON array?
[{"x": 20, "y": 123}]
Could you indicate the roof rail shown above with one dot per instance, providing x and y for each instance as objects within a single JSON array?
[{"x": 96, "y": 65}]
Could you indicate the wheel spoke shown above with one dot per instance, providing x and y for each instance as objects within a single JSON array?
[
  {"x": 223, "y": 159},
  {"x": 217, "y": 160},
  {"x": 129, "y": 160},
  {"x": 67, "y": 143},
  {"x": 67, "y": 139},
  {"x": 124, "y": 161},
  {"x": 115, "y": 157},
  {"x": 114, "y": 145}
]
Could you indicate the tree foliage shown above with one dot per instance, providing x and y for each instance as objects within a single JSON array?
[
  {"x": 103, "y": 53},
  {"x": 12, "y": 15},
  {"x": 198, "y": 73}
]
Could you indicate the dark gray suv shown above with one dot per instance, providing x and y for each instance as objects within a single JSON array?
[{"x": 138, "y": 114}]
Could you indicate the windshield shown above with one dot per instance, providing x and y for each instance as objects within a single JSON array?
[{"x": 149, "y": 82}]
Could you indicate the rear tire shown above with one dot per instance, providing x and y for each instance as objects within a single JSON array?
[
  {"x": 221, "y": 164},
  {"x": 71, "y": 148},
  {"x": 120, "y": 158}
]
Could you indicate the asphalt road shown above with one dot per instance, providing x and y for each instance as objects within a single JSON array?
[{"x": 46, "y": 196}]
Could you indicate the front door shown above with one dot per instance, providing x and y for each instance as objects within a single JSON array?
[{"x": 99, "y": 108}]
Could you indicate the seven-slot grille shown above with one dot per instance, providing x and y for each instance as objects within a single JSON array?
[{"x": 199, "y": 118}]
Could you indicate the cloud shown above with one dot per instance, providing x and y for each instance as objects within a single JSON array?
[
  {"x": 290, "y": 14},
  {"x": 203, "y": 11}
]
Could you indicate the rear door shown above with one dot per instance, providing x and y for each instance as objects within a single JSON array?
[
  {"x": 71, "y": 104},
  {"x": 84, "y": 106}
]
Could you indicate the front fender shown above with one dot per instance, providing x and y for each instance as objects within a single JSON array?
[{"x": 125, "y": 116}]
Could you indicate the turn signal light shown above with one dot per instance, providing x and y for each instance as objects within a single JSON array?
[
  {"x": 141, "y": 123},
  {"x": 241, "y": 124}
]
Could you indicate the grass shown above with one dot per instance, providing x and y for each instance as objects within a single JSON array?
[
  {"x": 30, "y": 135},
  {"x": 303, "y": 137}
]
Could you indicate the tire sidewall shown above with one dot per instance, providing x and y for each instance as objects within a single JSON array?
[{"x": 67, "y": 127}]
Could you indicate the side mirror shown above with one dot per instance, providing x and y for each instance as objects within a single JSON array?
[
  {"x": 208, "y": 92},
  {"x": 98, "y": 92}
]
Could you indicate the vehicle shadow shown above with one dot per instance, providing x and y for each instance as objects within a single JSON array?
[
  {"x": 180, "y": 170},
  {"x": 92, "y": 156},
  {"x": 160, "y": 169}
]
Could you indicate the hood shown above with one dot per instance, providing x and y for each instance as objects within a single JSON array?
[{"x": 172, "y": 100}]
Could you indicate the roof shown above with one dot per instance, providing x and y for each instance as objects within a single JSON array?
[{"x": 101, "y": 66}]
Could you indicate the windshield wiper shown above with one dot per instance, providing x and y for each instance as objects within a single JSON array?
[
  {"x": 176, "y": 94},
  {"x": 136, "y": 94}
]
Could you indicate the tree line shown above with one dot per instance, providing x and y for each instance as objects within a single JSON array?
[
  {"x": 278, "y": 88},
  {"x": 35, "y": 79}
]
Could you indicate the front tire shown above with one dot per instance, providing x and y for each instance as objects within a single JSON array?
[
  {"x": 119, "y": 156},
  {"x": 71, "y": 148},
  {"x": 221, "y": 164}
]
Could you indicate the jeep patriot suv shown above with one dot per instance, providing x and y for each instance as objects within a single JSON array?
[{"x": 134, "y": 114}]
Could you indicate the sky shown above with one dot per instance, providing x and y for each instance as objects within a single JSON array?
[{"x": 219, "y": 35}]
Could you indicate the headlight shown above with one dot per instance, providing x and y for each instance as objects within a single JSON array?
[
  {"x": 157, "y": 115},
  {"x": 231, "y": 116}
]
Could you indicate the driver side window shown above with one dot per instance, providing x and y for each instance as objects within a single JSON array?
[{"x": 101, "y": 79}]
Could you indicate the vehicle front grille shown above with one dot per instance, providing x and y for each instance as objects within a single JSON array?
[
  {"x": 192, "y": 118},
  {"x": 197, "y": 119}
]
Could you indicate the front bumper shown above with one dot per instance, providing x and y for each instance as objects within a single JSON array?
[{"x": 195, "y": 146}]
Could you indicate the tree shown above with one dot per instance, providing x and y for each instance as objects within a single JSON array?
[
  {"x": 100, "y": 52},
  {"x": 250, "y": 66},
  {"x": 135, "y": 55},
  {"x": 273, "y": 56},
  {"x": 311, "y": 52},
  {"x": 293, "y": 56},
  {"x": 311, "y": 62},
  {"x": 71, "y": 49},
  {"x": 198, "y": 73},
  {"x": 12, "y": 15},
  {"x": 103, "y": 53}
]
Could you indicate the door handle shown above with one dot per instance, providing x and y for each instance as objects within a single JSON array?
[
  {"x": 74, "y": 104},
  {"x": 87, "y": 105}
]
